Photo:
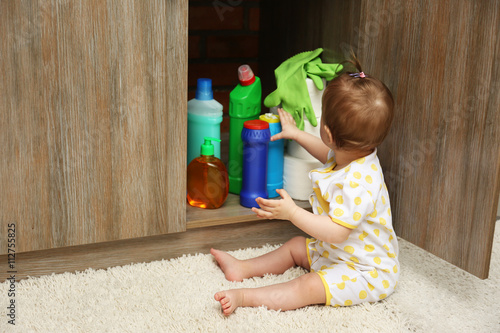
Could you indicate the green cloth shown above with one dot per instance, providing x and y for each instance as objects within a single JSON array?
[{"x": 292, "y": 90}]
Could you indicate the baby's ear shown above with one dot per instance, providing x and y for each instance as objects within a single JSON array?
[{"x": 328, "y": 134}]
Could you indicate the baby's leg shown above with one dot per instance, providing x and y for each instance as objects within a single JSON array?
[
  {"x": 305, "y": 290},
  {"x": 292, "y": 253}
]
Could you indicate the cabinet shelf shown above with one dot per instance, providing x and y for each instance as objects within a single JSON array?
[{"x": 230, "y": 212}]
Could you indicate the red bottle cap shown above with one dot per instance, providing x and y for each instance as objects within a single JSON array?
[
  {"x": 246, "y": 76},
  {"x": 256, "y": 124}
]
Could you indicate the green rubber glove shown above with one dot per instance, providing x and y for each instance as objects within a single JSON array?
[
  {"x": 291, "y": 89},
  {"x": 317, "y": 71}
]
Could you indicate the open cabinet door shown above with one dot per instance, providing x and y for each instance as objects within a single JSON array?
[
  {"x": 441, "y": 159},
  {"x": 93, "y": 105}
]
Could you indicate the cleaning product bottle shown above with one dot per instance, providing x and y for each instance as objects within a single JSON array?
[
  {"x": 207, "y": 182},
  {"x": 244, "y": 104},
  {"x": 275, "y": 157},
  {"x": 204, "y": 118},
  {"x": 255, "y": 136}
]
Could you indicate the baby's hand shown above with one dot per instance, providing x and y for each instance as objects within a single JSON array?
[
  {"x": 289, "y": 129},
  {"x": 282, "y": 209}
]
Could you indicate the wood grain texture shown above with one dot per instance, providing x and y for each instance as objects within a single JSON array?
[
  {"x": 146, "y": 249},
  {"x": 441, "y": 159},
  {"x": 92, "y": 132}
]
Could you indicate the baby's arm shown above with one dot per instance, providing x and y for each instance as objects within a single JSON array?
[
  {"x": 314, "y": 145},
  {"x": 318, "y": 226}
]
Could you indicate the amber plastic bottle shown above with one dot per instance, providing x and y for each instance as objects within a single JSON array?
[{"x": 207, "y": 181}]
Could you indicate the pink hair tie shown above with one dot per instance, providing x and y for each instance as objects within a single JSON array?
[{"x": 360, "y": 74}]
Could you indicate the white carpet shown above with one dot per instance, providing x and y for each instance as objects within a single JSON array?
[{"x": 177, "y": 296}]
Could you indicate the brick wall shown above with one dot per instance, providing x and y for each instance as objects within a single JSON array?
[{"x": 223, "y": 34}]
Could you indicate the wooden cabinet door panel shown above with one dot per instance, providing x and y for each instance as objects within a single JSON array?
[{"x": 92, "y": 127}]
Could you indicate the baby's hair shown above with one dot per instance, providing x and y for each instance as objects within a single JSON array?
[{"x": 357, "y": 109}]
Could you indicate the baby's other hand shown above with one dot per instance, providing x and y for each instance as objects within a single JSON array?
[
  {"x": 282, "y": 209},
  {"x": 289, "y": 128}
]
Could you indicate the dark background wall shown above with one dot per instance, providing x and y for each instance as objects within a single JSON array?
[{"x": 222, "y": 36}]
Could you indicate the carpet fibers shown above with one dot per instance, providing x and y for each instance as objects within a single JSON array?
[{"x": 177, "y": 296}]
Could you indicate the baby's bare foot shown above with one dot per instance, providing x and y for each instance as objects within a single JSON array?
[
  {"x": 232, "y": 267},
  {"x": 229, "y": 300}
]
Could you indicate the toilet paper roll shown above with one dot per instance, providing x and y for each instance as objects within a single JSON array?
[
  {"x": 296, "y": 150},
  {"x": 316, "y": 95},
  {"x": 296, "y": 176},
  {"x": 293, "y": 148},
  {"x": 274, "y": 109}
]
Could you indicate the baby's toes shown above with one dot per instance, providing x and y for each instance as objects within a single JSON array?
[
  {"x": 226, "y": 306},
  {"x": 220, "y": 295},
  {"x": 225, "y": 301},
  {"x": 227, "y": 309}
]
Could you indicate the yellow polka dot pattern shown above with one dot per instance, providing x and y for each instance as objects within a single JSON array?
[
  {"x": 355, "y": 197},
  {"x": 339, "y": 199},
  {"x": 338, "y": 212},
  {"x": 349, "y": 249},
  {"x": 363, "y": 235},
  {"x": 369, "y": 248}
]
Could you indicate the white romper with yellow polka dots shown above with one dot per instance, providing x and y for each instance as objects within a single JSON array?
[{"x": 365, "y": 267}]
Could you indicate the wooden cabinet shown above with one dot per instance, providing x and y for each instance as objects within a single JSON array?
[
  {"x": 93, "y": 115},
  {"x": 93, "y": 120},
  {"x": 93, "y": 125}
]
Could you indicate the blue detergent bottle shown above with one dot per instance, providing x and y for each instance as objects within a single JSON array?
[
  {"x": 275, "y": 159},
  {"x": 255, "y": 136},
  {"x": 204, "y": 119}
]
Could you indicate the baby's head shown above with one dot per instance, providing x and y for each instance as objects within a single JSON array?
[{"x": 357, "y": 110}]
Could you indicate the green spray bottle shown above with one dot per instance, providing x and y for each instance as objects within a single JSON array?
[{"x": 244, "y": 104}]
